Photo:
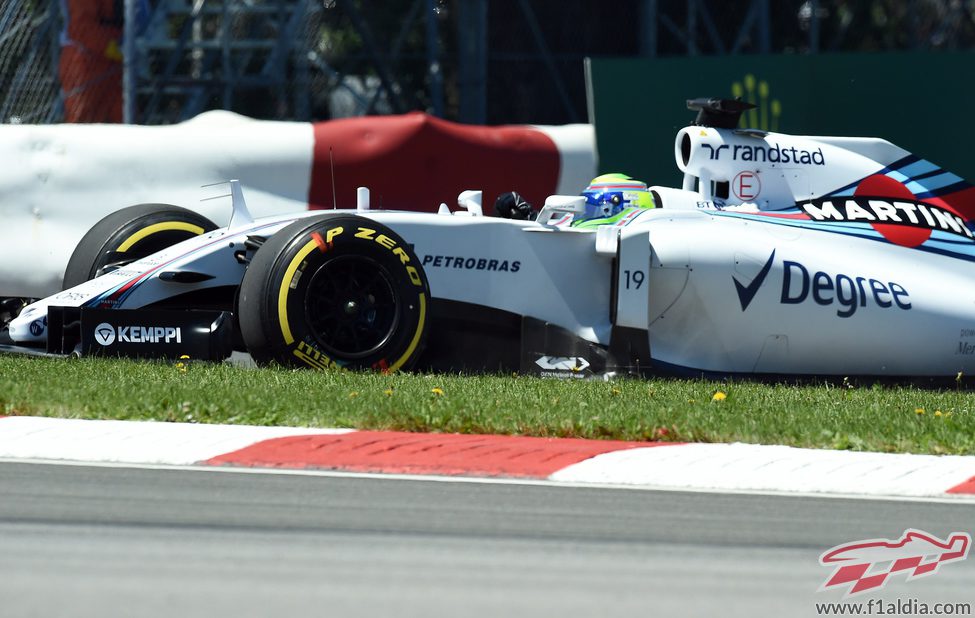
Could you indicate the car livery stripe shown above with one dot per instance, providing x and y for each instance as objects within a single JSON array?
[
  {"x": 945, "y": 190},
  {"x": 103, "y": 296},
  {"x": 565, "y": 219},
  {"x": 797, "y": 216},
  {"x": 117, "y": 295},
  {"x": 916, "y": 168},
  {"x": 908, "y": 161},
  {"x": 932, "y": 183},
  {"x": 286, "y": 281},
  {"x": 629, "y": 218},
  {"x": 865, "y": 233},
  {"x": 166, "y": 226},
  {"x": 923, "y": 178},
  {"x": 623, "y": 186},
  {"x": 935, "y": 171},
  {"x": 894, "y": 170},
  {"x": 416, "y": 336}
]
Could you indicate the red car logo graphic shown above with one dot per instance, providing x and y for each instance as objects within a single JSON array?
[{"x": 866, "y": 565}]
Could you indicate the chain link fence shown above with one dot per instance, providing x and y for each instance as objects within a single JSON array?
[
  {"x": 482, "y": 61},
  {"x": 29, "y": 86}
]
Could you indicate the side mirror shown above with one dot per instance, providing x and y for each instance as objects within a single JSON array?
[
  {"x": 557, "y": 207},
  {"x": 470, "y": 201}
]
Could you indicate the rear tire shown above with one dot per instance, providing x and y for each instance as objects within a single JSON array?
[
  {"x": 131, "y": 234},
  {"x": 335, "y": 291}
]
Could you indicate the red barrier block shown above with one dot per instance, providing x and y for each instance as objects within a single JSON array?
[{"x": 416, "y": 161}]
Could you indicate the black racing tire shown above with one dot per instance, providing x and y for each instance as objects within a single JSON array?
[
  {"x": 335, "y": 291},
  {"x": 131, "y": 234}
]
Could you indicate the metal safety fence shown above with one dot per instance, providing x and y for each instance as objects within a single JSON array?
[
  {"x": 478, "y": 61},
  {"x": 29, "y": 86}
]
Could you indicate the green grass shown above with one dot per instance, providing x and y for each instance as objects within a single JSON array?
[{"x": 875, "y": 418}]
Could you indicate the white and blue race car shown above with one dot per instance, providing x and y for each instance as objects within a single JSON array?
[{"x": 779, "y": 255}]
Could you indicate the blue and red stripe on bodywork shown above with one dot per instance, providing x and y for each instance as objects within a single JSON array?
[{"x": 118, "y": 294}]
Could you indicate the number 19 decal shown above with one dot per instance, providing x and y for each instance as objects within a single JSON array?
[{"x": 634, "y": 279}]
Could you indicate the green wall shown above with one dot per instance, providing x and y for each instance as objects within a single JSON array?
[{"x": 922, "y": 102}]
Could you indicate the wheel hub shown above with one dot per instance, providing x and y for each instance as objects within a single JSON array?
[{"x": 351, "y": 306}]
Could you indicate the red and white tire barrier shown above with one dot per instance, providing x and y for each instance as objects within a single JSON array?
[
  {"x": 60, "y": 179},
  {"x": 722, "y": 467}
]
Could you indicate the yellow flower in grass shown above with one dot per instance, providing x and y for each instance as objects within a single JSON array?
[
  {"x": 388, "y": 392},
  {"x": 919, "y": 411},
  {"x": 353, "y": 394},
  {"x": 719, "y": 396},
  {"x": 436, "y": 390},
  {"x": 937, "y": 412}
]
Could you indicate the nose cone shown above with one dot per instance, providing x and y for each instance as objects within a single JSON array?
[{"x": 29, "y": 327}]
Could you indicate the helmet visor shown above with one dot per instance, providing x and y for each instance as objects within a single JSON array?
[{"x": 603, "y": 203}]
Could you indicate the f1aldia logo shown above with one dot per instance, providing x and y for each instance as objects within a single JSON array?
[
  {"x": 107, "y": 334},
  {"x": 845, "y": 292},
  {"x": 861, "y": 566}
]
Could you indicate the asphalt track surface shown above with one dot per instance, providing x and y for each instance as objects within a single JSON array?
[{"x": 103, "y": 541}]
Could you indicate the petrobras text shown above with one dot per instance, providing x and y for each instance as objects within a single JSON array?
[{"x": 471, "y": 263}]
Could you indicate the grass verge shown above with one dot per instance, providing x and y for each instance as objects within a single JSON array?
[{"x": 874, "y": 418}]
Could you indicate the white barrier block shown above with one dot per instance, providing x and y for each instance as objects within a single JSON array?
[{"x": 59, "y": 180}]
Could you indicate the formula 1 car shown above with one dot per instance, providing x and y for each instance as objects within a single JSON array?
[{"x": 779, "y": 255}]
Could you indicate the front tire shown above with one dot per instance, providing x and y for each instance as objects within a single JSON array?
[
  {"x": 131, "y": 234},
  {"x": 335, "y": 291}
]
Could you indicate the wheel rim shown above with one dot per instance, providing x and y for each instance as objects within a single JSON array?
[{"x": 351, "y": 306}]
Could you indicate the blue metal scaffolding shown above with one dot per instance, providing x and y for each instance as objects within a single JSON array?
[{"x": 475, "y": 61}]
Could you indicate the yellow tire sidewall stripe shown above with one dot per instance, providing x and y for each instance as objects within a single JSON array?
[
  {"x": 289, "y": 275},
  {"x": 166, "y": 226},
  {"x": 416, "y": 335}
]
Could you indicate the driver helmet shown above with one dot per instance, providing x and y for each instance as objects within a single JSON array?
[{"x": 610, "y": 194}]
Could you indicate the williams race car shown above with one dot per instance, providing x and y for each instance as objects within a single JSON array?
[{"x": 779, "y": 255}]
